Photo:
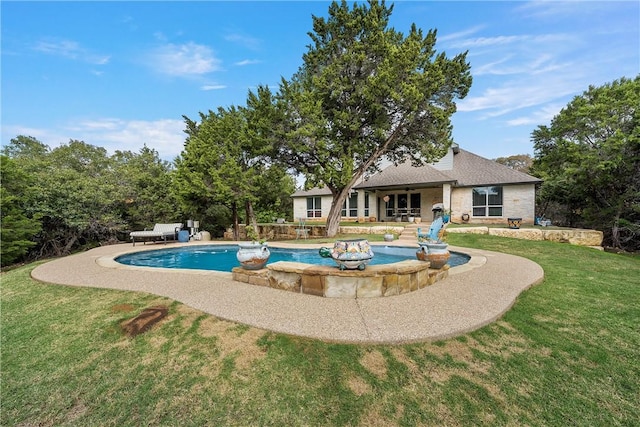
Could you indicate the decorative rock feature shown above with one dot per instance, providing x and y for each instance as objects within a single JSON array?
[
  {"x": 522, "y": 233},
  {"x": 326, "y": 281},
  {"x": 349, "y": 254},
  {"x": 573, "y": 236},
  {"x": 469, "y": 230},
  {"x": 284, "y": 280}
]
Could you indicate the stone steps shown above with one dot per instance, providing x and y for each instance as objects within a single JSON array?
[{"x": 409, "y": 233}]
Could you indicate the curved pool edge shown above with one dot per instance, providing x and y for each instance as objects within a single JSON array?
[
  {"x": 461, "y": 303},
  {"x": 109, "y": 261}
]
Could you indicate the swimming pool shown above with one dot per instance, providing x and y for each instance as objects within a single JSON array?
[{"x": 223, "y": 257}]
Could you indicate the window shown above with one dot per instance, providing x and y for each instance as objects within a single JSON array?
[
  {"x": 366, "y": 204},
  {"x": 353, "y": 205},
  {"x": 352, "y": 202},
  {"x": 314, "y": 207},
  {"x": 487, "y": 201},
  {"x": 390, "y": 206},
  {"x": 415, "y": 204}
]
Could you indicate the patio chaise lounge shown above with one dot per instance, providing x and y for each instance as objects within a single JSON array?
[{"x": 159, "y": 232}]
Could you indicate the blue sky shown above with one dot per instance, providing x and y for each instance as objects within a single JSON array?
[{"x": 121, "y": 74}]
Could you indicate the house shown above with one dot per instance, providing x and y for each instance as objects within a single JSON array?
[{"x": 474, "y": 189}]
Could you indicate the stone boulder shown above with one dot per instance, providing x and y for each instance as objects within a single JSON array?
[
  {"x": 520, "y": 233},
  {"x": 468, "y": 230},
  {"x": 575, "y": 237}
]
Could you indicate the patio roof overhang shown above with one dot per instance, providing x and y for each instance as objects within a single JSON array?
[{"x": 403, "y": 187}]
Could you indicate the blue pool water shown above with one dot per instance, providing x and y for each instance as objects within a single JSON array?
[{"x": 223, "y": 258}]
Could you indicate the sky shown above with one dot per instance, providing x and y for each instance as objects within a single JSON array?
[{"x": 122, "y": 74}]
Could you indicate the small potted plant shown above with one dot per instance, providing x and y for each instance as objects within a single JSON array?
[{"x": 389, "y": 235}]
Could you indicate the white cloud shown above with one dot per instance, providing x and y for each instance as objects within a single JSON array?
[
  {"x": 460, "y": 34},
  {"x": 247, "y": 62},
  {"x": 70, "y": 49},
  {"x": 213, "y": 87},
  {"x": 164, "y": 135},
  {"x": 188, "y": 59},
  {"x": 520, "y": 93},
  {"x": 541, "y": 116},
  {"x": 244, "y": 40},
  {"x": 546, "y": 9}
]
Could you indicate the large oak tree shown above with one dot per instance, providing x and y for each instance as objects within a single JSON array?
[{"x": 364, "y": 91}]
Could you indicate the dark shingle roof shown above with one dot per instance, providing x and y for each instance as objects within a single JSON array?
[
  {"x": 313, "y": 192},
  {"x": 472, "y": 170},
  {"x": 405, "y": 174},
  {"x": 468, "y": 170}
]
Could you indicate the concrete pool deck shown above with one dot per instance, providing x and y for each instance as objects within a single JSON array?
[{"x": 474, "y": 295}]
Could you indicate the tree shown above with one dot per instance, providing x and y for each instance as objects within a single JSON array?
[
  {"x": 589, "y": 158},
  {"x": 273, "y": 190},
  {"x": 74, "y": 194},
  {"x": 219, "y": 165},
  {"x": 144, "y": 184},
  {"x": 78, "y": 198},
  {"x": 17, "y": 227},
  {"x": 519, "y": 162},
  {"x": 364, "y": 91}
]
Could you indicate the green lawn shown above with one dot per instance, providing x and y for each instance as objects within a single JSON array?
[{"x": 567, "y": 353}]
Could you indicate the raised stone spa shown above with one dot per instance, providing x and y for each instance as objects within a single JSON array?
[{"x": 374, "y": 281}]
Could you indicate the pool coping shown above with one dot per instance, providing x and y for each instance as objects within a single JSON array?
[
  {"x": 109, "y": 261},
  {"x": 473, "y": 295}
]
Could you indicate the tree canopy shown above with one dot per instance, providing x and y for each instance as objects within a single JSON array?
[
  {"x": 55, "y": 201},
  {"x": 224, "y": 164},
  {"x": 519, "y": 162},
  {"x": 19, "y": 226},
  {"x": 589, "y": 158},
  {"x": 364, "y": 91}
]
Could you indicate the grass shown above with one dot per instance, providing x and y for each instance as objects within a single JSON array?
[{"x": 566, "y": 354}]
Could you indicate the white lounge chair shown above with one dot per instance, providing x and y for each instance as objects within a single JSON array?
[{"x": 159, "y": 232}]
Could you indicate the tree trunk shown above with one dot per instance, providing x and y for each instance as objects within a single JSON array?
[
  {"x": 67, "y": 248},
  {"x": 333, "y": 220},
  {"x": 615, "y": 233},
  {"x": 234, "y": 216},
  {"x": 251, "y": 215}
]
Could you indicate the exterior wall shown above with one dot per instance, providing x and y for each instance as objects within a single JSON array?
[
  {"x": 445, "y": 163},
  {"x": 518, "y": 201},
  {"x": 461, "y": 201},
  {"x": 300, "y": 208},
  {"x": 428, "y": 197}
]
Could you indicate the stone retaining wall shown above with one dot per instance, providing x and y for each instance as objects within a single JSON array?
[
  {"x": 574, "y": 236},
  {"x": 326, "y": 281},
  {"x": 288, "y": 231}
]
